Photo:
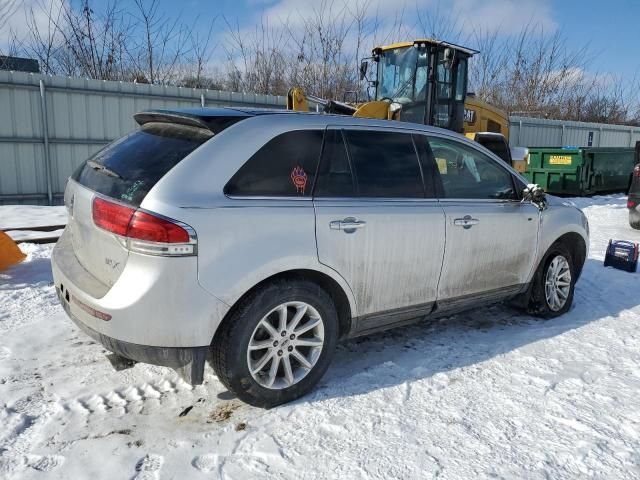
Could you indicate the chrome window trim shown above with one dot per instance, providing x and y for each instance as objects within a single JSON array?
[
  {"x": 342, "y": 199},
  {"x": 376, "y": 199},
  {"x": 265, "y": 197},
  {"x": 479, "y": 200}
]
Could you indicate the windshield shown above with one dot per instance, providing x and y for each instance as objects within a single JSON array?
[{"x": 402, "y": 75}]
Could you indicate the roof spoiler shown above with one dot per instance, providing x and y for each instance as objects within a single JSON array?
[{"x": 164, "y": 116}]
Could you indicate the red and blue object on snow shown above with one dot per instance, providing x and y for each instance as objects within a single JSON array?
[{"x": 622, "y": 255}]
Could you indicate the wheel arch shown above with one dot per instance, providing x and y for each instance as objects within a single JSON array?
[
  {"x": 575, "y": 243},
  {"x": 343, "y": 302}
]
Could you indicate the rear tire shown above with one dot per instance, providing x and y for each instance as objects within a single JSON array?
[
  {"x": 299, "y": 350},
  {"x": 635, "y": 225},
  {"x": 553, "y": 284}
]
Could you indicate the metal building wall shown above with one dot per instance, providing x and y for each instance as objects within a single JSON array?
[
  {"x": 82, "y": 115},
  {"x": 38, "y": 152},
  {"x": 537, "y": 132}
]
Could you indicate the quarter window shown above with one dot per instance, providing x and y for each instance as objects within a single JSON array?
[
  {"x": 468, "y": 173},
  {"x": 385, "y": 164},
  {"x": 284, "y": 167}
]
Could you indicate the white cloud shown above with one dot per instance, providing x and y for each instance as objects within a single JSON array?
[
  {"x": 17, "y": 24},
  {"x": 503, "y": 16}
]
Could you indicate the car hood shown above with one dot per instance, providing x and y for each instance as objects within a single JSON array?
[{"x": 554, "y": 201}]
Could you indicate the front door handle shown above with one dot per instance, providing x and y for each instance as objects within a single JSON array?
[
  {"x": 466, "y": 222},
  {"x": 348, "y": 225}
]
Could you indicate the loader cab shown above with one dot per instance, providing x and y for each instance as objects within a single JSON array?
[{"x": 425, "y": 81}]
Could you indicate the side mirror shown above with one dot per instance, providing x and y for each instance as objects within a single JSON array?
[
  {"x": 535, "y": 194},
  {"x": 364, "y": 67}
]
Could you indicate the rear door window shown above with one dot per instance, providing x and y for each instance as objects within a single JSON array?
[
  {"x": 129, "y": 167},
  {"x": 284, "y": 167},
  {"x": 385, "y": 164}
]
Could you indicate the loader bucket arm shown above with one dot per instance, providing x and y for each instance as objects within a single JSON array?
[{"x": 297, "y": 100}]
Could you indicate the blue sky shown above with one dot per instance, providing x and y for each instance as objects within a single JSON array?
[{"x": 611, "y": 29}]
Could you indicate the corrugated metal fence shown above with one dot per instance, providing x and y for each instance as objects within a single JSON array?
[
  {"x": 537, "y": 132},
  {"x": 49, "y": 125}
]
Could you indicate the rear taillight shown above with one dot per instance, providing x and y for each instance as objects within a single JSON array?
[
  {"x": 632, "y": 203},
  {"x": 144, "y": 226},
  {"x": 144, "y": 232},
  {"x": 112, "y": 217},
  {"x": 636, "y": 170}
]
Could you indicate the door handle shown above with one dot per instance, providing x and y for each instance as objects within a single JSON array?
[
  {"x": 466, "y": 222},
  {"x": 348, "y": 225}
]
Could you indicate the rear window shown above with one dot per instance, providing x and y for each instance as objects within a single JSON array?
[{"x": 129, "y": 167}]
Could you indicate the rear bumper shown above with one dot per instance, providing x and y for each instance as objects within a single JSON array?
[
  {"x": 155, "y": 302},
  {"x": 187, "y": 361}
]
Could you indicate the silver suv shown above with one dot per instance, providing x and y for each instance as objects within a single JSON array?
[{"x": 258, "y": 239}]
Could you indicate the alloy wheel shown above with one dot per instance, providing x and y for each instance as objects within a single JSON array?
[
  {"x": 557, "y": 283},
  {"x": 285, "y": 345}
]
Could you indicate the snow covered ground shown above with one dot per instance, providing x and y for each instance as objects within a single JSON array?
[
  {"x": 25, "y": 216},
  {"x": 488, "y": 394},
  {"x": 20, "y": 216}
]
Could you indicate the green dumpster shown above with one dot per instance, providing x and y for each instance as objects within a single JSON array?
[
  {"x": 610, "y": 169},
  {"x": 580, "y": 171}
]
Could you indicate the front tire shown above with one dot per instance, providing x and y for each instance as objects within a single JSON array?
[
  {"x": 553, "y": 284},
  {"x": 277, "y": 344}
]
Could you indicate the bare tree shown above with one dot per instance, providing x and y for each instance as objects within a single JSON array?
[
  {"x": 7, "y": 9},
  {"x": 533, "y": 72},
  {"x": 43, "y": 43},
  {"x": 165, "y": 40},
  {"x": 433, "y": 23},
  {"x": 91, "y": 43},
  {"x": 257, "y": 58},
  {"x": 201, "y": 52}
]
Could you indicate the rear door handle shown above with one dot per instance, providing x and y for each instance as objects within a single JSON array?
[
  {"x": 466, "y": 222},
  {"x": 348, "y": 225}
]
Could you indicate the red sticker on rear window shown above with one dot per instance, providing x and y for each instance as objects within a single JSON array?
[{"x": 299, "y": 179}]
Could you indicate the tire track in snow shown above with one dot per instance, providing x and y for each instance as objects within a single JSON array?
[
  {"x": 24, "y": 421},
  {"x": 130, "y": 399}
]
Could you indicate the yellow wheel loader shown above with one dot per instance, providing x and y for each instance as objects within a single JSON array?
[{"x": 424, "y": 81}]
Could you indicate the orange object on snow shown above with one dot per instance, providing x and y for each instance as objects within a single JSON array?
[{"x": 10, "y": 254}]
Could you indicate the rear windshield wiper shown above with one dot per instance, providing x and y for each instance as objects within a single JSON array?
[{"x": 106, "y": 170}]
